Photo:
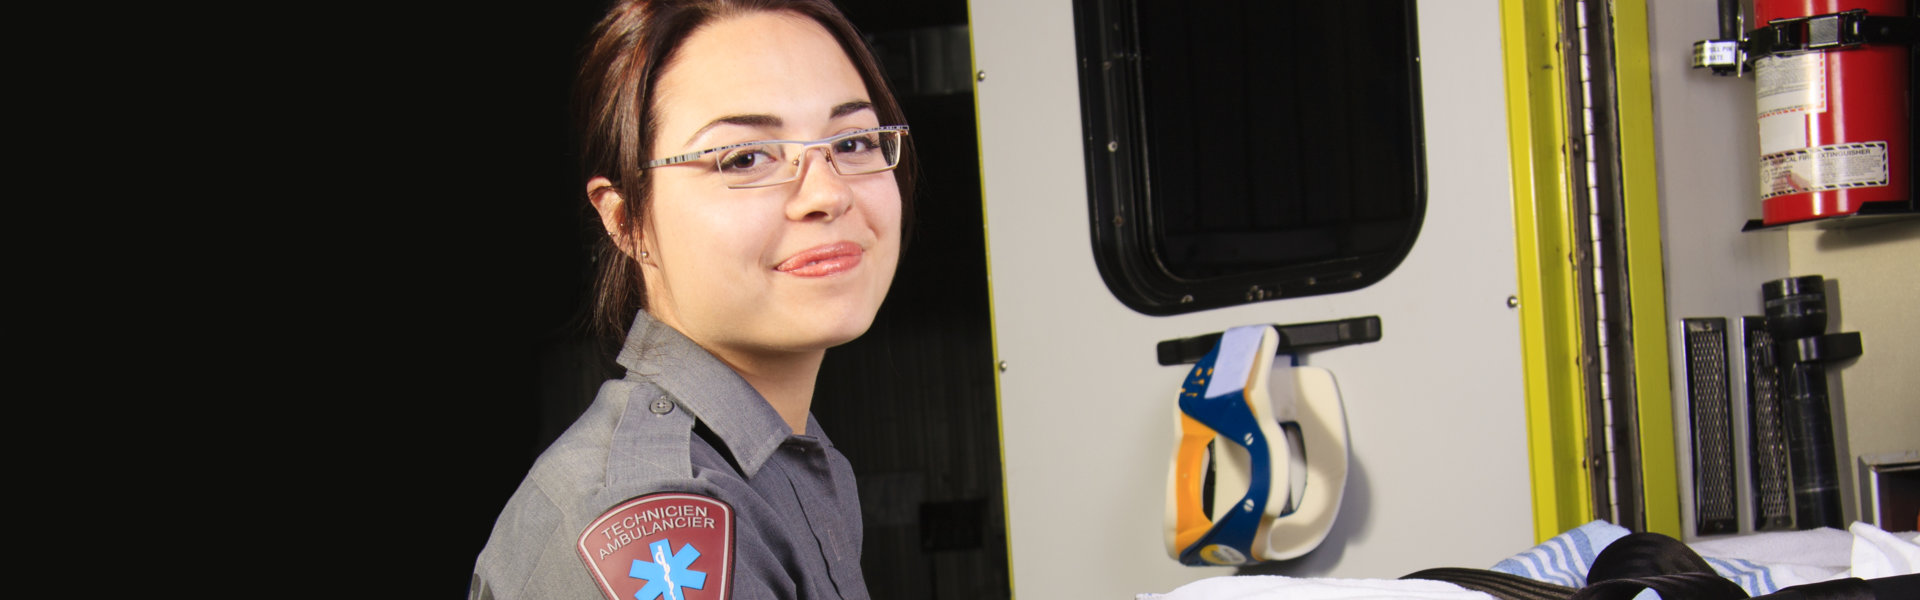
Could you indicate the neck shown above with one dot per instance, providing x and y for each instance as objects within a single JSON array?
[{"x": 785, "y": 380}]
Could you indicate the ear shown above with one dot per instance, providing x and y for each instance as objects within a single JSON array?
[{"x": 606, "y": 200}]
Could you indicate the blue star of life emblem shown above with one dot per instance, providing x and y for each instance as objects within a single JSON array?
[{"x": 669, "y": 572}]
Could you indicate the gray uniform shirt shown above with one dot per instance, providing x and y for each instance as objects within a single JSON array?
[{"x": 681, "y": 421}]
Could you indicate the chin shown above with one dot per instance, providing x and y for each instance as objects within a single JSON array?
[
  {"x": 830, "y": 332},
  {"x": 844, "y": 332},
  {"x": 817, "y": 322},
  {"x": 850, "y": 336}
]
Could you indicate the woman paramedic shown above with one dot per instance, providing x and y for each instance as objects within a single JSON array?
[{"x": 745, "y": 158}]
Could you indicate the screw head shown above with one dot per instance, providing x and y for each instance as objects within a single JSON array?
[
  {"x": 980, "y": 76},
  {"x": 1513, "y": 301}
]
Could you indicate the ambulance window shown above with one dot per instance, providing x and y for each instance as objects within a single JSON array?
[{"x": 1248, "y": 151}]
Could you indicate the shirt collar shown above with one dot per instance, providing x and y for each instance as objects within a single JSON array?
[{"x": 708, "y": 388}]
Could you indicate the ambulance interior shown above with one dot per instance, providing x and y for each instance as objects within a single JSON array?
[{"x": 1511, "y": 237}]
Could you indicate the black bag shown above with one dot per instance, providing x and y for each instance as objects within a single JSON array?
[{"x": 1642, "y": 561}]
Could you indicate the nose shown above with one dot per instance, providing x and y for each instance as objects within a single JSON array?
[{"x": 823, "y": 193}]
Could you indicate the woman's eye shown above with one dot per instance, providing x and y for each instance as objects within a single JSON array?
[
  {"x": 745, "y": 160},
  {"x": 855, "y": 144}
]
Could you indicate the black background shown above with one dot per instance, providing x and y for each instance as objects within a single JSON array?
[
  {"x": 295, "y": 291},
  {"x": 392, "y": 266}
]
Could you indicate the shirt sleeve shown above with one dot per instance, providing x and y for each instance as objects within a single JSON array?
[{"x": 535, "y": 551}]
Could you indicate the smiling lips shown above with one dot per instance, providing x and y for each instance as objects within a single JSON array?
[{"x": 821, "y": 261}]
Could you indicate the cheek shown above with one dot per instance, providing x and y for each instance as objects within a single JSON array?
[
  {"x": 683, "y": 236},
  {"x": 883, "y": 208},
  {"x": 718, "y": 242}
]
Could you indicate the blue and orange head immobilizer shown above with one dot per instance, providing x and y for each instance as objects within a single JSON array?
[{"x": 1274, "y": 457}]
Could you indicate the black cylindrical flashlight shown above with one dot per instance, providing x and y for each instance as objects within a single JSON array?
[{"x": 1796, "y": 309}]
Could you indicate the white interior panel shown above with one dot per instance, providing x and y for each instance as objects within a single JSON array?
[
  {"x": 1707, "y": 144},
  {"x": 1436, "y": 410}
]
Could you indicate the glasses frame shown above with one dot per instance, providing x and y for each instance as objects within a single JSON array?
[{"x": 799, "y": 158}]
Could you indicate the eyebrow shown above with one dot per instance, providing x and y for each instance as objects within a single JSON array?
[
  {"x": 850, "y": 107},
  {"x": 770, "y": 121}
]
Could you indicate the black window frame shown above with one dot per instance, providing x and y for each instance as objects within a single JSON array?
[{"x": 1122, "y": 219}]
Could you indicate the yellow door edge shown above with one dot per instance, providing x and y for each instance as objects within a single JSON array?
[
  {"x": 1646, "y": 278},
  {"x": 993, "y": 329},
  {"x": 1549, "y": 310}
]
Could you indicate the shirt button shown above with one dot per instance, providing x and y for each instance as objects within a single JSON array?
[{"x": 662, "y": 406}]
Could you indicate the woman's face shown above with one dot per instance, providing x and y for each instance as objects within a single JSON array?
[{"x": 796, "y": 267}]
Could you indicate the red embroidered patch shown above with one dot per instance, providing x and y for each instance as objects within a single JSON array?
[{"x": 670, "y": 546}]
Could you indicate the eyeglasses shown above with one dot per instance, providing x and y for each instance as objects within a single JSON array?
[{"x": 773, "y": 162}]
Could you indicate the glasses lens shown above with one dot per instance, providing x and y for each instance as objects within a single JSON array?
[
  {"x": 748, "y": 165},
  {"x": 866, "y": 152}
]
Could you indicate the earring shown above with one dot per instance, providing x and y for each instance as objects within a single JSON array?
[{"x": 643, "y": 255}]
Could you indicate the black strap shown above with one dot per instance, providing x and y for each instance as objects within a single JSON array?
[
  {"x": 1645, "y": 554},
  {"x": 1691, "y": 586},
  {"x": 1640, "y": 561},
  {"x": 1645, "y": 560},
  {"x": 1836, "y": 30},
  {"x": 1898, "y": 587},
  {"x": 1505, "y": 586},
  {"x": 1633, "y": 563}
]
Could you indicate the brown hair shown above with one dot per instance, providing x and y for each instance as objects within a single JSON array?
[{"x": 625, "y": 55}]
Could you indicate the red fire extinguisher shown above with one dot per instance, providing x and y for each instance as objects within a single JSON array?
[{"x": 1834, "y": 112}]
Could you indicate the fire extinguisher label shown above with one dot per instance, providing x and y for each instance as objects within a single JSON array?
[
  {"x": 1836, "y": 167},
  {"x": 1792, "y": 83}
]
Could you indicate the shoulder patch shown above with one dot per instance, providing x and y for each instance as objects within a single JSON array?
[{"x": 667, "y": 546}]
